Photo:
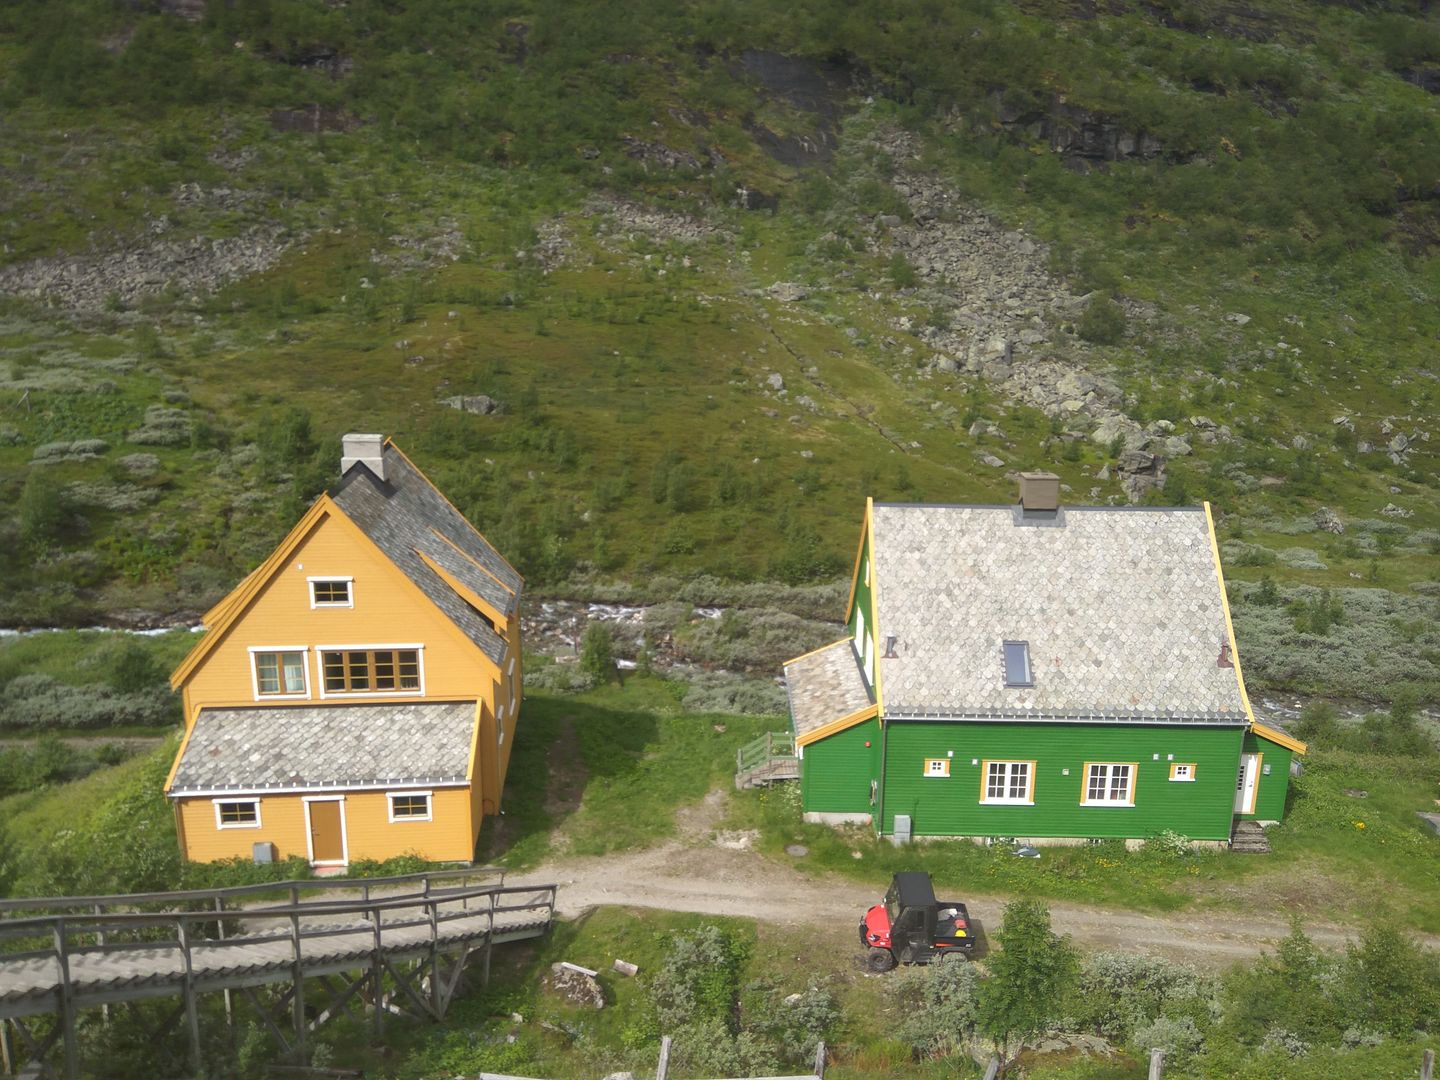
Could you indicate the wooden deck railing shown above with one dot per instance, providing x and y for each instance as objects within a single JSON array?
[{"x": 772, "y": 746}]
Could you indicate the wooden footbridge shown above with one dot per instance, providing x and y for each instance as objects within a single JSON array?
[{"x": 296, "y": 953}]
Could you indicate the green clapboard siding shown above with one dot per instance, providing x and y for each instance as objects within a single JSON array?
[
  {"x": 1270, "y": 795},
  {"x": 1202, "y": 809},
  {"x": 835, "y": 772}
]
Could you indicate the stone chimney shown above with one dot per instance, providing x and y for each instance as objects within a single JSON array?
[
  {"x": 367, "y": 450},
  {"x": 1039, "y": 491}
]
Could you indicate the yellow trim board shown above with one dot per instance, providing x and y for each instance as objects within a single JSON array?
[
  {"x": 826, "y": 730},
  {"x": 502, "y": 624},
  {"x": 1279, "y": 738},
  {"x": 860, "y": 554},
  {"x": 1225, "y": 607},
  {"x": 813, "y": 652},
  {"x": 874, "y": 629}
]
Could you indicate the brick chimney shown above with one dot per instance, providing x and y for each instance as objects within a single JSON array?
[
  {"x": 1039, "y": 491},
  {"x": 367, "y": 450}
]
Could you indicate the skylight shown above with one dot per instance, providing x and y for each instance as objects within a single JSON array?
[{"x": 1017, "y": 664}]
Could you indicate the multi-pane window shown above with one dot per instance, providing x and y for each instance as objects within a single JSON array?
[
  {"x": 410, "y": 806},
  {"x": 237, "y": 813},
  {"x": 370, "y": 671},
  {"x": 279, "y": 672},
  {"x": 1009, "y": 782},
  {"x": 1110, "y": 784},
  {"x": 937, "y": 766},
  {"x": 1179, "y": 771},
  {"x": 330, "y": 592}
]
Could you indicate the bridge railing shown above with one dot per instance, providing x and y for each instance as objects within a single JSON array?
[
  {"x": 424, "y": 881},
  {"x": 89, "y": 933}
]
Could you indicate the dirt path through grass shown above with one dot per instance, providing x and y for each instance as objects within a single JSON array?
[{"x": 698, "y": 872}]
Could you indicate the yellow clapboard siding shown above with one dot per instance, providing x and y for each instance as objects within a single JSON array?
[
  {"x": 368, "y": 831},
  {"x": 388, "y": 610}
]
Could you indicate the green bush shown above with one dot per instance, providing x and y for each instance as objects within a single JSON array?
[
  {"x": 1102, "y": 323},
  {"x": 597, "y": 652},
  {"x": 40, "y": 702},
  {"x": 939, "y": 1007}
]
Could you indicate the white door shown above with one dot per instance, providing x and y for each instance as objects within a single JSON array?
[{"x": 1247, "y": 783}]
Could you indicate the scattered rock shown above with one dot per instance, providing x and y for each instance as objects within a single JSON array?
[
  {"x": 788, "y": 291},
  {"x": 624, "y": 967},
  {"x": 576, "y": 987},
  {"x": 1326, "y": 520},
  {"x": 1391, "y": 510},
  {"x": 1204, "y": 423},
  {"x": 775, "y": 381},
  {"x": 991, "y": 460},
  {"x": 797, "y": 850},
  {"x": 479, "y": 404},
  {"x": 1236, "y": 319},
  {"x": 1398, "y": 445},
  {"x": 1356, "y": 793}
]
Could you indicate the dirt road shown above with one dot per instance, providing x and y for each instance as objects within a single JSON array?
[{"x": 695, "y": 873}]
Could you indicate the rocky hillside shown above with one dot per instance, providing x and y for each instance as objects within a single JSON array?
[{"x": 658, "y": 290}]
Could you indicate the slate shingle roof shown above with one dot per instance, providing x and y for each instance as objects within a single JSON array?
[
  {"x": 405, "y": 516},
  {"x": 331, "y": 746},
  {"x": 1121, "y": 609},
  {"x": 824, "y": 686}
]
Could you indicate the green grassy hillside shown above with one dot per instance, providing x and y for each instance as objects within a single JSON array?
[{"x": 1082, "y": 236}]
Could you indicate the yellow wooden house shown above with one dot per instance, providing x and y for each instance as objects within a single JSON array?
[{"x": 354, "y": 697}]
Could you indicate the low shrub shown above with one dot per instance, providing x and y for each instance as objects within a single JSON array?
[{"x": 40, "y": 702}]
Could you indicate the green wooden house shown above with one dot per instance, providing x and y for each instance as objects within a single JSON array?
[{"x": 1038, "y": 672}]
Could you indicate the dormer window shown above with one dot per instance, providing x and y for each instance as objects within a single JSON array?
[
  {"x": 331, "y": 592},
  {"x": 1017, "y": 664}
]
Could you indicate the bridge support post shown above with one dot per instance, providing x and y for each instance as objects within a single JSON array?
[
  {"x": 297, "y": 977},
  {"x": 192, "y": 1013},
  {"x": 67, "y": 1003},
  {"x": 377, "y": 983},
  {"x": 7, "y": 1055}
]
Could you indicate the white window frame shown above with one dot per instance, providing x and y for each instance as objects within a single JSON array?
[
  {"x": 310, "y": 838},
  {"x": 1185, "y": 777},
  {"x": 510, "y": 667},
  {"x": 931, "y": 770},
  {"x": 350, "y": 591},
  {"x": 255, "y": 802},
  {"x": 280, "y": 650},
  {"x": 321, "y": 650},
  {"x": 1132, "y": 777},
  {"x": 1006, "y": 800},
  {"x": 391, "y": 796}
]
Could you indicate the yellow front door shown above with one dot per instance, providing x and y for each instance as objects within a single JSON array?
[{"x": 327, "y": 834}]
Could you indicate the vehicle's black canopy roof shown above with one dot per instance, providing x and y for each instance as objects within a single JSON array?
[{"x": 913, "y": 889}]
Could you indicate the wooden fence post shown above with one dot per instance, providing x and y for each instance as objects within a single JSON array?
[
  {"x": 297, "y": 977},
  {"x": 67, "y": 1002},
  {"x": 992, "y": 1070},
  {"x": 7, "y": 1056},
  {"x": 1427, "y": 1065},
  {"x": 662, "y": 1070},
  {"x": 820, "y": 1060},
  {"x": 1157, "y": 1064}
]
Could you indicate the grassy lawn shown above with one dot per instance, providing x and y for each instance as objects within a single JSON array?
[{"x": 606, "y": 770}]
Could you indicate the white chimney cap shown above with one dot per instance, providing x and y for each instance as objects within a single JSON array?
[{"x": 367, "y": 450}]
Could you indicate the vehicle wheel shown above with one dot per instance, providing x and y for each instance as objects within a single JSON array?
[
  {"x": 953, "y": 956},
  {"x": 878, "y": 960}
]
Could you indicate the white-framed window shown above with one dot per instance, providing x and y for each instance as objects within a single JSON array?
[
  {"x": 237, "y": 813},
  {"x": 937, "y": 766},
  {"x": 1010, "y": 783},
  {"x": 859, "y": 630},
  {"x": 332, "y": 592},
  {"x": 409, "y": 805},
  {"x": 279, "y": 671},
  {"x": 376, "y": 670},
  {"x": 1109, "y": 784},
  {"x": 1179, "y": 771},
  {"x": 510, "y": 667}
]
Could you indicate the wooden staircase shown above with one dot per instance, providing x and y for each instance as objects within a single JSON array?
[
  {"x": 1249, "y": 839},
  {"x": 769, "y": 758}
]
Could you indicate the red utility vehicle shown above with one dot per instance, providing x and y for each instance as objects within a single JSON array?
[{"x": 911, "y": 927}]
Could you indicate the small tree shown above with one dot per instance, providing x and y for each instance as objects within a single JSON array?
[
  {"x": 597, "y": 652},
  {"x": 1029, "y": 977}
]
